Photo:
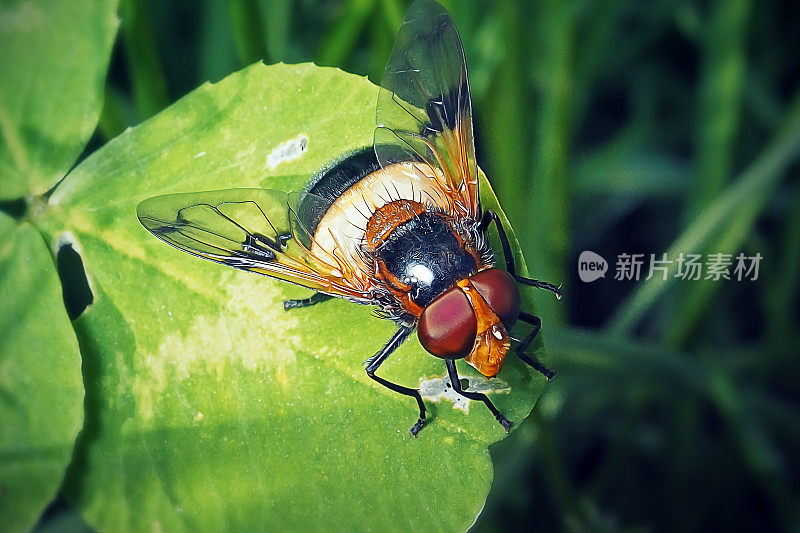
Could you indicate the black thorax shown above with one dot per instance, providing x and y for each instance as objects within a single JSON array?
[{"x": 426, "y": 254}]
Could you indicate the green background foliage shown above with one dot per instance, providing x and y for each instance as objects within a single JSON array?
[
  {"x": 614, "y": 126},
  {"x": 41, "y": 392},
  {"x": 45, "y": 45},
  {"x": 43, "y": 130}
]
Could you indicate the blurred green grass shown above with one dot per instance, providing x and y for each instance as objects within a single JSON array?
[{"x": 620, "y": 127}]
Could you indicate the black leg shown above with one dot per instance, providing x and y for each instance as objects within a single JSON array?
[
  {"x": 536, "y": 322},
  {"x": 541, "y": 285},
  {"x": 453, "y": 373},
  {"x": 490, "y": 216},
  {"x": 315, "y": 299},
  {"x": 376, "y": 360}
]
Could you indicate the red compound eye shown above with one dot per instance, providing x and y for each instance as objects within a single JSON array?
[
  {"x": 447, "y": 326},
  {"x": 500, "y": 291}
]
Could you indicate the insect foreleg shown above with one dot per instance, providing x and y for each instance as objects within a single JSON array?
[
  {"x": 376, "y": 360},
  {"x": 490, "y": 216},
  {"x": 540, "y": 285},
  {"x": 454, "y": 380},
  {"x": 305, "y": 302},
  {"x": 536, "y": 322}
]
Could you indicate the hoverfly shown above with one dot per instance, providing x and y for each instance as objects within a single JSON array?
[{"x": 398, "y": 225}]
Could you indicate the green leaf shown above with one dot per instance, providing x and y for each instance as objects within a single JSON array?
[
  {"x": 53, "y": 59},
  {"x": 212, "y": 408},
  {"x": 41, "y": 391}
]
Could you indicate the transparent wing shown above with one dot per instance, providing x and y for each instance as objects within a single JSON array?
[
  {"x": 258, "y": 230},
  {"x": 424, "y": 109}
]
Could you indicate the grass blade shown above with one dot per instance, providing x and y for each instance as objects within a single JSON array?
[{"x": 758, "y": 180}]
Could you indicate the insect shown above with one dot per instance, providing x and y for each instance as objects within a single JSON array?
[{"x": 398, "y": 225}]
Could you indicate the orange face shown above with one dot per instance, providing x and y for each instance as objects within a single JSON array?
[{"x": 471, "y": 320}]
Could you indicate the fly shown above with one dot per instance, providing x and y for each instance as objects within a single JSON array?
[{"x": 398, "y": 225}]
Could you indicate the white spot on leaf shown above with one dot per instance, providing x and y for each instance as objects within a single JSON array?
[
  {"x": 287, "y": 151},
  {"x": 437, "y": 388},
  {"x": 67, "y": 238}
]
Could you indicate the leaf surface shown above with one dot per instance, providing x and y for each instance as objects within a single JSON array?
[
  {"x": 209, "y": 407},
  {"x": 41, "y": 389},
  {"x": 53, "y": 59}
]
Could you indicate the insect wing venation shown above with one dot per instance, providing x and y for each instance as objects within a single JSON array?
[
  {"x": 424, "y": 107},
  {"x": 258, "y": 230}
]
